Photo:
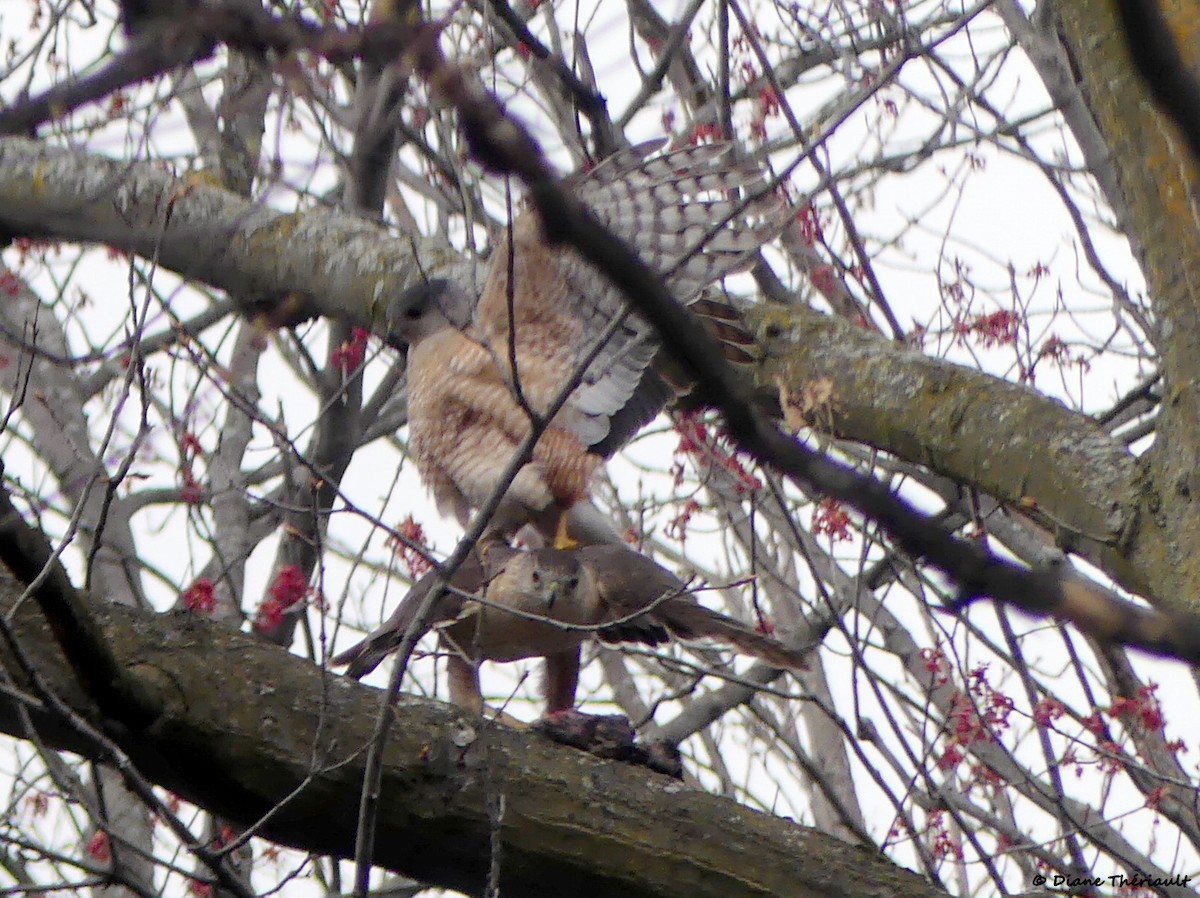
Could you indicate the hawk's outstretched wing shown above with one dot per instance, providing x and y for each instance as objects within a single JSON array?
[
  {"x": 693, "y": 215},
  {"x": 477, "y": 369}
]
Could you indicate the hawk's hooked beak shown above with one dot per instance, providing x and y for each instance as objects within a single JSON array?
[
  {"x": 406, "y": 307},
  {"x": 424, "y": 308}
]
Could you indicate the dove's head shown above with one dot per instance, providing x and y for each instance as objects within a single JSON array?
[{"x": 548, "y": 578}]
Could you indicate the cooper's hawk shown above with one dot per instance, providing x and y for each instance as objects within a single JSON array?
[
  {"x": 546, "y": 603},
  {"x": 478, "y": 371}
]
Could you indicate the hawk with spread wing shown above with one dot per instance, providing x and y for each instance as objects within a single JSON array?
[{"x": 480, "y": 373}]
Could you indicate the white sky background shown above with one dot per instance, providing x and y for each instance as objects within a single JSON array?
[{"x": 1007, "y": 214}]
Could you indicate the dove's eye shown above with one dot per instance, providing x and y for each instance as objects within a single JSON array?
[{"x": 535, "y": 578}]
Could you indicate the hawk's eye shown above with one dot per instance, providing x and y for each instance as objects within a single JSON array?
[{"x": 573, "y": 583}]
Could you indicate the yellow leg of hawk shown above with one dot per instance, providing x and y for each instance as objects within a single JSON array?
[{"x": 562, "y": 536}]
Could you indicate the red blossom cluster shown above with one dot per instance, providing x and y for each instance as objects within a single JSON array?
[
  {"x": 941, "y": 842},
  {"x": 201, "y": 596},
  {"x": 768, "y": 106},
  {"x": 997, "y": 711},
  {"x": 98, "y": 846},
  {"x": 349, "y": 355},
  {"x": 768, "y": 100},
  {"x": 1110, "y": 757},
  {"x": 27, "y": 246},
  {"x": 696, "y": 440},
  {"x": 831, "y": 520},
  {"x": 934, "y": 661},
  {"x": 287, "y": 590},
  {"x": 705, "y": 132},
  {"x": 403, "y": 543},
  {"x": 226, "y": 836},
  {"x": 190, "y": 490},
  {"x": 677, "y": 527},
  {"x": 810, "y": 225},
  {"x": 1094, "y": 724},
  {"x": 968, "y": 726},
  {"x": 1054, "y": 348},
  {"x": 1048, "y": 710},
  {"x": 950, "y": 757},
  {"x": 956, "y": 290},
  {"x": 995, "y": 329},
  {"x": 1144, "y": 709}
]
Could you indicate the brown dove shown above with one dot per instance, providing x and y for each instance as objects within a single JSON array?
[{"x": 546, "y": 603}]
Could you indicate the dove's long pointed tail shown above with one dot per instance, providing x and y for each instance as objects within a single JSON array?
[
  {"x": 687, "y": 620},
  {"x": 367, "y": 654}
]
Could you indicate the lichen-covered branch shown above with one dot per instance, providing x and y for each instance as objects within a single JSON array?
[{"x": 322, "y": 262}]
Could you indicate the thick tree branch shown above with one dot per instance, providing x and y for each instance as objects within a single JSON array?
[
  {"x": 284, "y": 735},
  {"x": 323, "y": 262},
  {"x": 119, "y": 698},
  {"x": 1005, "y": 439},
  {"x": 1157, "y": 176},
  {"x": 1154, "y": 51}
]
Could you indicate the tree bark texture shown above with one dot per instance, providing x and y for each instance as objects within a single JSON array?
[
  {"x": 249, "y": 730},
  {"x": 1159, "y": 181}
]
